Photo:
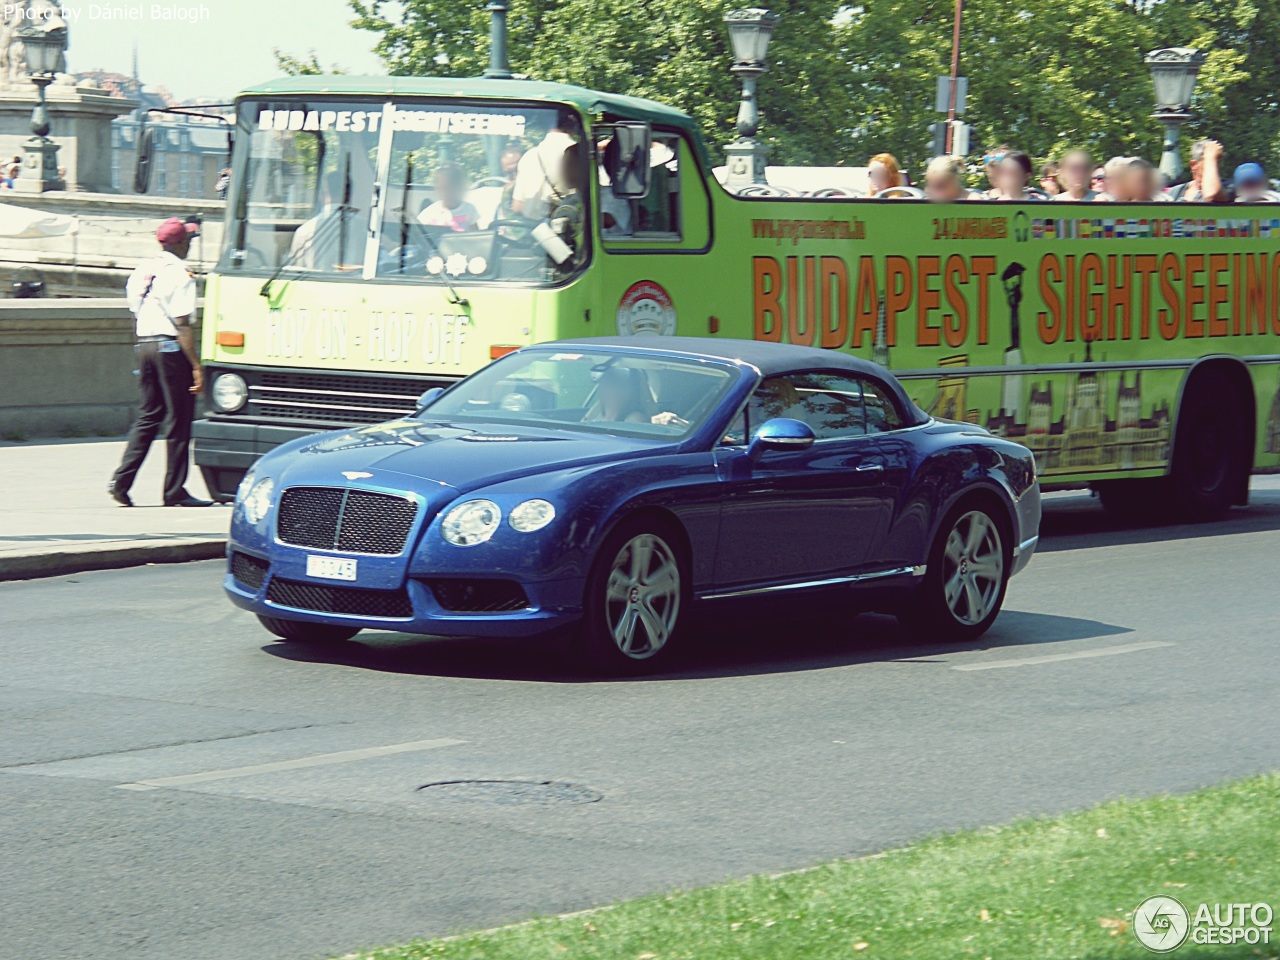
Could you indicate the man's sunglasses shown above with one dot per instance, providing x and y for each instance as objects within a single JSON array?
[{"x": 993, "y": 158}]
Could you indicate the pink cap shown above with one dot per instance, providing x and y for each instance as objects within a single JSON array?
[{"x": 173, "y": 230}]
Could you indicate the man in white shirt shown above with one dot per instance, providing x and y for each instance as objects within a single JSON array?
[
  {"x": 540, "y": 183},
  {"x": 450, "y": 209},
  {"x": 162, "y": 297}
]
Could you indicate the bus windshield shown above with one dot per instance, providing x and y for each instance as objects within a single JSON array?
[{"x": 415, "y": 191}]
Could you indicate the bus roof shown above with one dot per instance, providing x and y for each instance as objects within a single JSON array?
[{"x": 588, "y": 101}]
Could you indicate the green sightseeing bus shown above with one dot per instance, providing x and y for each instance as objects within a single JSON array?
[{"x": 387, "y": 235}]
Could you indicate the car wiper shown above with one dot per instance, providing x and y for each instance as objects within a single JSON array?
[{"x": 456, "y": 300}]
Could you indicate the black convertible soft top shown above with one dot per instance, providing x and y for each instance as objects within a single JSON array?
[{"x": 769, "y": 358}]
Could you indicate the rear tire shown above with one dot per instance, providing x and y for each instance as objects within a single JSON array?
[
  {"x": 636, "y": 599},
  {"x": 299, "y": 631},
  {"x": 1210, "y": 456},
  {"x": 965, "y": 582}
]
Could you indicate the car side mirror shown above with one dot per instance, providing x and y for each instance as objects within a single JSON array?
[
  {"x": 428, "y": 397},
  {"x": 780, "y": 433}
]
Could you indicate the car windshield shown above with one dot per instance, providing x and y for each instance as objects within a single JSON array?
[{"x": 635, "y": 395}]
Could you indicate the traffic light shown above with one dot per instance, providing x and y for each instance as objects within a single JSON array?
[{"x": 938, "y": 138}]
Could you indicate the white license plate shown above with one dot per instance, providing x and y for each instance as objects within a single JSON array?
[{"x": 331, "y": 568}]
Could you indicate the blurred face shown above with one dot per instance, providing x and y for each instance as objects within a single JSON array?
[
  {"x": 993, "y": 161},
  {"x": 449, "y": 188},
  {"x": 942, "y": 186},
  {"x": 1099, "y": 179},
  {"x": 878, "y": 175},
  {"x": 1010, "y": 178},
  {"x": 1076, "y": 173},
  {"x": 1049, "y": 184},
  {"x": 1250, "y": 189}
]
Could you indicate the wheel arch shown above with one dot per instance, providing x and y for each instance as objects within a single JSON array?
[
  {"x": 1237, "y": 373},
  {"x": 990, "y": 494}
]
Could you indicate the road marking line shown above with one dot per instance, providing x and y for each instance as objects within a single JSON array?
[
  {"x": 318, "y": 760},
  {"x": 1055, "y": 657}
]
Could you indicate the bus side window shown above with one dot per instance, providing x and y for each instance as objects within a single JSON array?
[{"x": 656, "y": 216}]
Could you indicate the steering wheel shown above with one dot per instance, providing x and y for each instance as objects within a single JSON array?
[
  {"x": 490, "y": 182},
  {"x": 900, "y": 193}
]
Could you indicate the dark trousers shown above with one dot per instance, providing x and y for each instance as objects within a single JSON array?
[{"x": 165, "y": 380}]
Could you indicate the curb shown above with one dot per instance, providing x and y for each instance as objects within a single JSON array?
[{"x": 132, "y": 553}]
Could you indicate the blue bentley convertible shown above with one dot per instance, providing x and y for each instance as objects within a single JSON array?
[{"x": 609, "y": 485}]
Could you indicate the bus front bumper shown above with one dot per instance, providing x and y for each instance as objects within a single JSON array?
[{"x": 226, "y": 449}]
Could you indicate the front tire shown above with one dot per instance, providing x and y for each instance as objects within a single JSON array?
[
  {"x": 299, "y": 631},
  {"x": 637, "y": 594},
  {"x": 965, "y": 582}
]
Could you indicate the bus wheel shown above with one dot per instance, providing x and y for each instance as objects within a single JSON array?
[
  {"x": 1209, "y": 449},
  {"x": 299, "y": 631}
]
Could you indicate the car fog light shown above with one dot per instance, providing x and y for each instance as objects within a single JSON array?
[
  {"x": 532, "y": 515},
  {"x": 471, "y": 523},
  {"x": 229, "y": 393},
  {"x": 258, "y": 500}
]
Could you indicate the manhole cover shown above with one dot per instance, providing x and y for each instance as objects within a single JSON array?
[{"x": 510, "y": 792}]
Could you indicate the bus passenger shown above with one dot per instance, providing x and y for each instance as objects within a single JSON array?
[
  {"x": 944, "y": 180},
  {"x": 1206, "y": 175},
  {"x": 540, "y": 186},
  {"x": 992, "y": 163},
  {"x": 332, "y": 239},
  {"x": 450, "y": 209},
  {"x": 884, "y": 172},
  {"x": 1012, "y": 174},
  {"x": 1251, "y": 186},
  {"x": 1074, "y": 172}
]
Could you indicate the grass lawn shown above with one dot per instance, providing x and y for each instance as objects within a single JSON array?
[{"x": 1054, "y": 888}]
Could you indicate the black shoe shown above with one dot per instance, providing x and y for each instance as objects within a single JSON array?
[
  {"x": 189, "y": 501},
  {"x": 119, "y": 496}
]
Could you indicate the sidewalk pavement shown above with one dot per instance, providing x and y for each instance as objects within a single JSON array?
[{"x": 57, "y": 517}]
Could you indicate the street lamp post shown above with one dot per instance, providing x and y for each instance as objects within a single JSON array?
[
  {"x": 1173, "y": 74},
  {"x": 749, "y": 34},
  {"x": 43, "y": 50}
]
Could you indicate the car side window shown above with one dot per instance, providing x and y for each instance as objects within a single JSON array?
[
  {"x": 881, "y": 411},
  {"x": 831, "y": 404}
]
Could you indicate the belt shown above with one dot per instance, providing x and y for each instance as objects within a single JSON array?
[{"x": 156, "y": 339}]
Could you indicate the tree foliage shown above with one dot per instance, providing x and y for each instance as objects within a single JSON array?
[{"x": 847, "y": 81}]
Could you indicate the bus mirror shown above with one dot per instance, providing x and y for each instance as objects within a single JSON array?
[
  {"x": 627, "y": 160},
  {"x": 146, "y": 151}
]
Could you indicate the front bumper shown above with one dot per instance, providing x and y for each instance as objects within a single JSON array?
[{"x": 550, "y": 605}]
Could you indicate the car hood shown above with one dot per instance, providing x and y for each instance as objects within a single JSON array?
[{"x": 463, "y": 456}]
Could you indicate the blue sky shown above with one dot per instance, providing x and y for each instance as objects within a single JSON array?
[{"x": 213, "y": 48}]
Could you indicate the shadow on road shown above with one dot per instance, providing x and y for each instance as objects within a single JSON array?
[
  {"x": 727, "y": 647},
  {"x": 1077, "y": 521}
]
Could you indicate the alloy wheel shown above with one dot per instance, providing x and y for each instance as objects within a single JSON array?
[
  {"x": 642, "y": 596},
  {"x": 973, "y": 567}
]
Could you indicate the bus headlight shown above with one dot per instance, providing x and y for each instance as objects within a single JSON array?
[
  {"x": 471, "y": 523},
  {"x": 229, "y": 392},
  {"x": 257, "y": 501}
]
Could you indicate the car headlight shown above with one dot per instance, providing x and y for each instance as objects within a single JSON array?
[
  {"x": 471, "y": 523},
  {"x": 532, "y": 515},
  {"x": 229, "y": 392},
  {"x": 257, "y": 501},
  {"x": 246, "y": 484}
]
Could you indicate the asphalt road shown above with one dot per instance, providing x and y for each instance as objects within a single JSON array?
[{"x": 152, "y": 802}]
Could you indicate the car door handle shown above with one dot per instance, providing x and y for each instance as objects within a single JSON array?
[{"x": 869, "y": 467}]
